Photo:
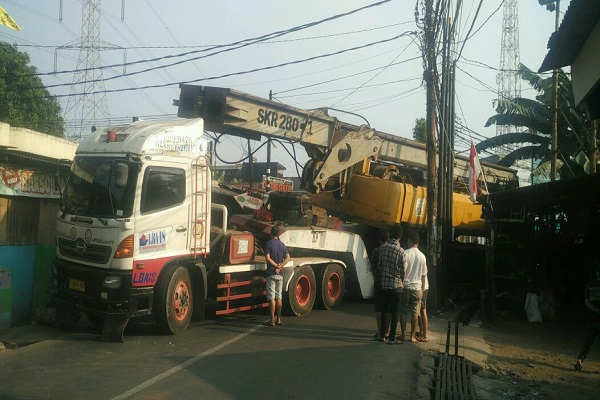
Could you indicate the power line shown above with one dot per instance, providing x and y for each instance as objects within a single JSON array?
[
  {"x": 216, "y": 45},
  {"x": 240, "y": 72},
  {"x": 378, "y": 72},
  {"x": 240, "y": 44},
  {"x": 344, "y": 77}
]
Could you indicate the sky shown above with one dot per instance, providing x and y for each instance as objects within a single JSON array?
[{"x": 365, "y": 62}]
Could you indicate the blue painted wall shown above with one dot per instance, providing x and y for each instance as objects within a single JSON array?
[{"x": 20, "y": 260}]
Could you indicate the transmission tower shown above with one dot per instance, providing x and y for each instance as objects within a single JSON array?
[
  {"x": 509, "y": 83},
  {"x": 87, "y": 105}
]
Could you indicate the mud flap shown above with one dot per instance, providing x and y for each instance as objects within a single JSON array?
[{"x": 113, "y": 328}]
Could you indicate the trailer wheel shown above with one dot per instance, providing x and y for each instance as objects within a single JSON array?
[
  {"x": 333, "y": 283},
  {"x": 173, "y": 305},
  {"x": 301, "y": 292}
]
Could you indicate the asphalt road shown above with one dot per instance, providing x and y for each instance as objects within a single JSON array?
[{"x": 323, "y": 355}]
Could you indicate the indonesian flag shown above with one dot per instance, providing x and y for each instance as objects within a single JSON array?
[{"x": 474, "y": 171}]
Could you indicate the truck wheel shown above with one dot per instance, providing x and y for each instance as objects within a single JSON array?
[
  {"x": 333, "y": 284},
  {"x": 301, "y": 293},
  {"x": 173, "y": 300}
]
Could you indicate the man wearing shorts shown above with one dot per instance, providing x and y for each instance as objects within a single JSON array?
[
  {"x": 277, "y": 256},
  {"x": 414, "y": 279}
]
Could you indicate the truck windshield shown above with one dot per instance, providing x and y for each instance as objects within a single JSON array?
[{"x": 101, "y": 187}]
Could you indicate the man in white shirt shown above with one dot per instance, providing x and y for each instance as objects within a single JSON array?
[{"x": 414, "y": 281}]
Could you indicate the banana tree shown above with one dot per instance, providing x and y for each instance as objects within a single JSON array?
[{"x": 532, "y": 120}]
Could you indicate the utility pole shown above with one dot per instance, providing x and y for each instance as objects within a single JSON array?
[
  {"x": 431, "y": 82},
  {"x": 555, "y": 107},
  {"x": 553, "y": 5}
]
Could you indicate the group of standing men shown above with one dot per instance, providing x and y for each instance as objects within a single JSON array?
[{"x": 400, "y": 287}]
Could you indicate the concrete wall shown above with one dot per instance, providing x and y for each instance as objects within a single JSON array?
[{"x": 27, "y": 219}]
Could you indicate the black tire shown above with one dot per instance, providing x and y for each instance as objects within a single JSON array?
[
  {"x": 332, "y": 284},
  {"x": 173, "y": 300},
  {"x": 290, "y": 217},
  {"x": 289, "y": 200},
  {"x": 302, "y": 289}
]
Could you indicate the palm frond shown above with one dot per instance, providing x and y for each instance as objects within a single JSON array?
[
  {"x": 523, "y": 153},
  {"x": 520, "y": 120},
  {"x": 511, "y": 138}
]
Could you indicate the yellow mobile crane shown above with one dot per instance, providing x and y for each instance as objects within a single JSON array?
[{"x": 356, "y": 172}]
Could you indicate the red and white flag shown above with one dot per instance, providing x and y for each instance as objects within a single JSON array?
[{"x": 474, "y": 171}]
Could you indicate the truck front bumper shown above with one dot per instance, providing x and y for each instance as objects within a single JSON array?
[{"x": 99, "y": 291}]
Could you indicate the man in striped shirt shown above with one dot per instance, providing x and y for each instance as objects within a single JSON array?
[{"x": 391, "y": 267}]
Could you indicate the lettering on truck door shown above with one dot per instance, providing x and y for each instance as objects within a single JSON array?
[{"x": 162, "y": 226}]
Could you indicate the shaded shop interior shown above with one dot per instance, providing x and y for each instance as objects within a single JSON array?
[{"x": 544, "y": 239}]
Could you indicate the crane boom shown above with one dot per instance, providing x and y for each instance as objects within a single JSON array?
[
  {"x": 230, "y": 111},
  {"x": 354, "y": 172}
]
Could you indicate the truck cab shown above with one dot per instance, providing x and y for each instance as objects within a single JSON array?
[{"x": 135, "y": 218}]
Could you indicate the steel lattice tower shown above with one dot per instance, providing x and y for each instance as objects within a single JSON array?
[
  {"x": 87, "y": 106},
  {"x": 508, "y": 80}
]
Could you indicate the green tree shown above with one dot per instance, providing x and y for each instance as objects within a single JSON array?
[
  {"x": 533, "y": 122},
  {"x": 420, "y": 130},
  {"x": 26, "y": 103}
]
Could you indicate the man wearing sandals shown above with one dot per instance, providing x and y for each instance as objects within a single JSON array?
[
  {"x": 277, "y": 256},
  {"x": 592, "y": 302},
  {"x": 414, "y": 281}
]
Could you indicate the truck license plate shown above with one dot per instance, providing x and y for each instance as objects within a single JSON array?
[{"x": 76, "y": 285}]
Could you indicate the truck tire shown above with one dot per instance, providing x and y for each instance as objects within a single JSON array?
[
  {"x": 332, "y": 283},
  {"x": 289, "y": 200},
  {"x": 290, "y": 217},
  {"x": 173, "y": 300},
  {"x": 300, "y": 297}
]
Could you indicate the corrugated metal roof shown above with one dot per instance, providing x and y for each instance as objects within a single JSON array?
[{"x": 565, "y": 44}]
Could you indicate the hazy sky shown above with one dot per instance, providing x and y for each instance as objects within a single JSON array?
[{"x": 382, "y": 82}]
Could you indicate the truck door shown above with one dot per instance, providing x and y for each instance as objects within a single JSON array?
[{"x": 162, "y": 221}]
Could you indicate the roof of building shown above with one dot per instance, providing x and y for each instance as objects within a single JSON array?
[
  {"x": 27, "y": 148},
  {"x": 573, "y": 192},
  {"x": 565, "y": 44}
]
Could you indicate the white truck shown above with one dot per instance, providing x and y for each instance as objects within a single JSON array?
[
  {"x": 134, "y": 235},
  {"x": 134, "y": 238}
]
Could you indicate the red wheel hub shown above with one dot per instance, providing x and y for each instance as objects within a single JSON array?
[
  {"x": 181, "y": 300},
  {"x": 303, "y": 289},
  {"x": 334, "y": 286}
]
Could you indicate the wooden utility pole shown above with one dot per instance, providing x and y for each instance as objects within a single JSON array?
[
  {"x": 431, "y": 82},
  {"x": 554, "y": 142}
]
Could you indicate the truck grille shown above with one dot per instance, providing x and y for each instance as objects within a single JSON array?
[{"x": 79, "y": 250}]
